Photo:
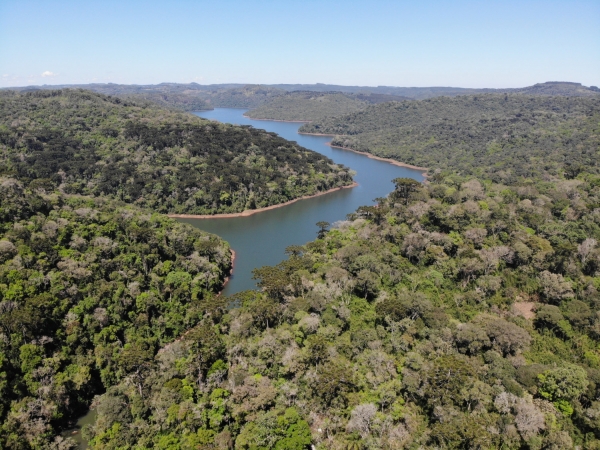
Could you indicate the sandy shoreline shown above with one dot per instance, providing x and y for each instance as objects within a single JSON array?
[
  {"x": 250, "y": 212},
  {"x": 379, "y": 158}
]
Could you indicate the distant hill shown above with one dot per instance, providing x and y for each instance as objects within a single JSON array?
[
  {"x": 306, "y": 106},
  {"x": 512, "y": 135},
  {"x": 420, "y": 93},
  {"x": 249, "y": 96},
  {"x": 195, "y": 97},
  {"x": 184, "y": 97},
  {"x": 561, "y": 88}
]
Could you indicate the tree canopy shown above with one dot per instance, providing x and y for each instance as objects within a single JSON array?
[{"x": 91, "y": 144}]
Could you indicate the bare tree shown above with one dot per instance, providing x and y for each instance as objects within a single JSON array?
[
  {"x": 362, "y": 419},
  {"x": 585, "y": 248}
]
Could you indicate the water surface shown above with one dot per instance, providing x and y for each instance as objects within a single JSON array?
[{"x": 261, "y": 239}]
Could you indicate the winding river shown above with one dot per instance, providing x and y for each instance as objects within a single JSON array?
[{"x": 261, "y": 239}]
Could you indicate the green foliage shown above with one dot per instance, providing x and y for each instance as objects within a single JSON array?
[
  {"x": 89, "y": 291},
  {"x": 563, "y": 383},
  {"x": 91, "y": 144},
  {"x": 506, "y": 138},
  {"x": 308, "y": 106},
  {"x": 461, "y": 313}
]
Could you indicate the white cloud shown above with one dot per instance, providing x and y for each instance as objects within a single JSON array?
[{"x": 47, "y": 73}]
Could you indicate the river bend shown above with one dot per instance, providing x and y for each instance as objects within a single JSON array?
[{"x": 261, "y": 239}]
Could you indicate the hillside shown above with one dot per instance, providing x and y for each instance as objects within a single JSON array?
[
  {"x": 501, "y": 137},
  {"x": 250, "y": 96},
  {"x": 421, "y": 93},
  {"x": 562, "y": 88},
  {"x": 90, "y": 289},
  {"x": 306, "y": 106},
  {"x": 90, "y": 144},
  {"x": 195, "y": 97},
  {"x": 184, "y": 97},
  {"x": 459, "y": 314}
]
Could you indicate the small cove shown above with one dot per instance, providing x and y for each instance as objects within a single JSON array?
[{"x": 261, "y": 239}]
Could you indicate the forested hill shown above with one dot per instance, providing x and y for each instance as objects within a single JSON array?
[
  {"x": 87, "y": 143},
  {"x": 420, "y": 93},
  {"x": 90, "y": 289},
  {"x": 250, "y": 96},
  {"x": 184, "y": 97},
  {"x": 498, "y": 136},
  {"x": 194, "y": 96},
  {"x": 309, "y": 106},
  {"x": 459, "y": 314}
]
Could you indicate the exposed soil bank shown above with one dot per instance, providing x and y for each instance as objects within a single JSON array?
[
  {"x": 276, "y": 120},
  {"x": 250, "y": 212},
  {"x": 388, "y": 160},
  {"x": 370, "y": 155}
]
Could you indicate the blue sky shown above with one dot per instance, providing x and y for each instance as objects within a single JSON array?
[{"x": 395, "y": 43}]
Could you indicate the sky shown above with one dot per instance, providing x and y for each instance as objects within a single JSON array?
[{"x": 487, "y": 43}]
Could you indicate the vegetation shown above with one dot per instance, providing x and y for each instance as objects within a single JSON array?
[
  {"x": 458, "y": 314},
  {"x": 421, "y": 93},
  {"x": 184, "y": 97},
  {"x": 90, "y": 144},
  {"x": 90, "y": 289},
  {"x": 499, "y": 137},
  {"x": 308, "y": 106},
  {"x": 195, "y": 97}
]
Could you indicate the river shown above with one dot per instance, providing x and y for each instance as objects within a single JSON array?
[{"x": 260, "y": 239}]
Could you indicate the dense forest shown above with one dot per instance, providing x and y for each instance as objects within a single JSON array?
[
  {"x": 90, "y": 290},
  {"x": 306, "y": 106},
  {"x": 459, "y": 314},
  {"x": 500, "y": 137},
  {"x": 184, "y": 97},
  {"x": 91, "y": 144}
]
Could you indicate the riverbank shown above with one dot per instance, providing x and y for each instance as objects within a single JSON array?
[
  {"x": 276, "y": 120},
  {"x": 379, "y": 158},
  {"x": 250, "y": 212},
  {"x": 370, "y": 155}
]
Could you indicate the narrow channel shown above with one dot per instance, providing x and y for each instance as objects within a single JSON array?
[{"x": 260, "y": 240}]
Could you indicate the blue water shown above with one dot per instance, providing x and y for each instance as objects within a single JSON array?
[{"x": 261, "y": 239}]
